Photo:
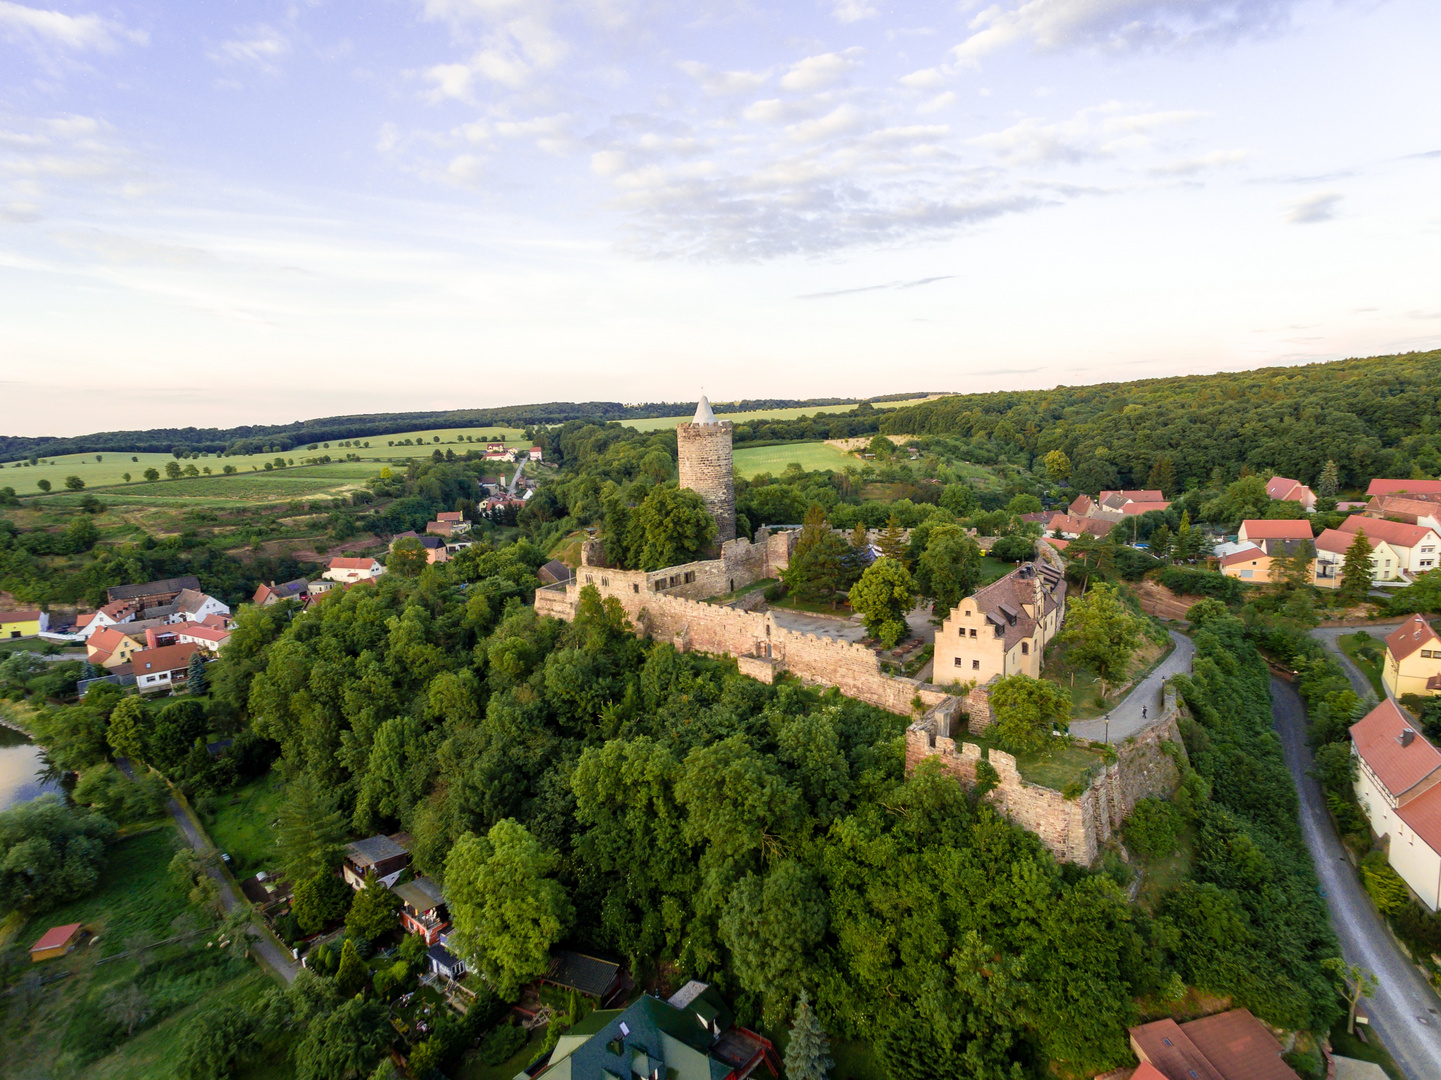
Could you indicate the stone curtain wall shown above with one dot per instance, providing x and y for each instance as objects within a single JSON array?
[
  {"x": 703, "y": 453},
  {"x": 1072, "y": 829}
]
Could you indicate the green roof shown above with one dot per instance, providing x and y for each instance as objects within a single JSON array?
[{"x": 650, "y": 1034}]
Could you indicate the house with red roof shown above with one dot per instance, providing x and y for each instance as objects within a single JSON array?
[
  {"x": 1413, "y": 659},
  {"x": 210, "y": 638},
  {"x": 347, "y": 571},
  {"x": 1070, "y": 526},
  {"x": 1415, "y": 545},
  {"x": 162, "y": 669},
  {"x": 1412, "y": 487},
  {"x": 1412, "y": 509},
  {"x": 56, "y": 942},
  {"x": 1398, "y": 783},
  {"x": 1231, "y": 1045},
  {"x": 1284, "y": 489},
  {"x": 109, "y": 647},
  {"x": 1331, "y": 548},
  {"x": 27, "y": 622},
  {"x": 1261, "y": 530}
]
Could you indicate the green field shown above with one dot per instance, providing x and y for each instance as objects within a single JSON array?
[
  {"x": 655, "y": 423},
  {"x": 774, "y": 459},
  {"x": 239, "y": 823}
]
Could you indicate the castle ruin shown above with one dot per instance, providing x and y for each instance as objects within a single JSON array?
[{"x": 703, "y": 451}]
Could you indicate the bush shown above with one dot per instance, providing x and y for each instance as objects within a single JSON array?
[
  {"x": 1201, "y": 583},
  {"x": 1383, "y": 884},
  {"x": 502, "y": 1043},
  {"x": 1152, "y": 828},
  {"x": 774, "y": 592}
]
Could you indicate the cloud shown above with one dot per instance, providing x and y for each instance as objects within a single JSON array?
[
  {"x": 935, "y": 104},
  {"x": 818, "y": 72},
  {"x": 1119, "y": 25},
  {"x": 80, "y": 33},
  {"x": 1096, "y": 132},
  {"x": 717, "y": 82},
  {"x": 925, "y": 79},
  {"x": 261, "y": 47},
  {"x": 1190, "y": 166},
  {"x": 511, "y": 54},
  {"x": 875, "y": 288},
  {"x": 849, "y": 11},
  {"x": 838, "y": 121},
  {"x": 1311, "y": 209}
]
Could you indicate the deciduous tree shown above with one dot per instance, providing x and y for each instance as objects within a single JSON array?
[
  {"x": 1025, "y": 710},
  {"x": 1102, "y": 632},
  {"x": 883, "y": 597},
  {"x": 949, "y": 568}
]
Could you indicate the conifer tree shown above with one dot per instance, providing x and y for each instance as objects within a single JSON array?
[
  {"x": 1330, "y": 481},
  {"x": 352, "y": 975},
  {"x": 1163, "y": 476},
  {"x": 195, "y": 678},
  {"x": 1356, "y": 571},
  {"x": 859, "y": 539},
  {"x": 808, "y": 1054},
  {"x": 892, "y": 542}
]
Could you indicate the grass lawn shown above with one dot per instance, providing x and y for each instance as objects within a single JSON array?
[
  {"x": 472, "y": 1068},
  {"x": 754, "y": 586},
  {"x": 774, "y": 459},
  {"x": 1349, "y": 1046},
  {"x": 567, "y": 548},
  {"x": 239, "y": 823},
  {"x": 1366, "y": 653},
  {"x": 853, "y": 1060},
  {"x": 136, "y": 893},
  {"x": 1056, "y": 769},
  {"x": 994, "y": 569},
  {"x": 1085, "y": 689},
  {"x": 841, "y": 610}
]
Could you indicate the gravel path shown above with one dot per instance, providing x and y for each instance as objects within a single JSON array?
[
  {"x": 1126, "y": 717},
  {"x": 1330, "y": 637},
  {"x": 1404, "y": 1010}
]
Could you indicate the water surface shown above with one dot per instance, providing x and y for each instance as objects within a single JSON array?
[{"x": 21, "y": 766}]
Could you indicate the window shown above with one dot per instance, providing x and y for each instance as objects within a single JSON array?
[
  {"x": 590, "y": 579},
  {"x": 1247, "y": 573},
  {"x": 635, "y": 586},
  {"x": 1025, "y": 648},
  {"x": 604, "y": 580},
  {"x": 975, "y": 665},
  {"x": 973, "y": 631},
  {"x": 1426, "y": 654},
  {"x": 960, "y": 662},
  {"x": 689, "y": 576},
  {"x": 624, "y": 1028}
]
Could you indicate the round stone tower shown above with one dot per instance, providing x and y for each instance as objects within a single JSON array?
[{"x": 706, "y": 468}]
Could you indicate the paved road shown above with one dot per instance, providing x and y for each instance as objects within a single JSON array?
[
  {"x": 1126, "y": 717},
  {"x": 277, "y": 958},
  {"x": 1329, "y": 637},
  {"x": 1404, "y": 1010}
]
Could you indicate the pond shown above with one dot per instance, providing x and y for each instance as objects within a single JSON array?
[{"x": 21, "y": 766}]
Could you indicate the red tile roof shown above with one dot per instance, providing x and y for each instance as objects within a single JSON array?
[
  {"x": 1250, "y": 554},
  {"x": 1231, "y": 1045},
  {"x": 25, "y": 615},
  {"x": 165, "y": 658},
  {"x": 204, "y": 633},
  {"x": 1335, "y": 541},
  {"x": 1377, "y": 736},
  {"x": 340, "y": 562},
  {"x": 1165, "y": 1046},
  {"x": 1098, "y": 527},
  {"x": 1268, "y": 529},
  {"x": 1416, "y": 487},
  {"x": 107, "y": 639},
  {"x": 1410, "y": 636},
  {"x": 55, "y": 937},
  {"x": 1395, "y": 533},
  {"x": 1423, "y": 815},
  {"x": 1140, "y": 507},
  {"x": 1143, "y": 495},
  {"x": 450, "y": 515}
]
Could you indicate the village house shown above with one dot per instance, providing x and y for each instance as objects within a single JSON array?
[
  {"x": 153, "y": 594},
  {"x": 443, "y": 962},
  {"x": 1116, "y": 506},
  {"x": 1414, "y": 545},
  {"x": 1070, "y": 526},
  {"x": 1408, "y": 487},
  {"x": 1253, "y": 565},
  {"x": 456, "y": 520},
  {"x": 1227, "y": 1046},
  {"x": 112, "y": 614},
  {"x": 266, "y": 595},
  {"x": 1398, "y": 772},
  {"x": 1256, "y": 558},
  {"x": 347, "y": 570},
  {"x": 691, "y": 1035},
  {"x": 378, "y": 855},
  {"x": 210, "y": 638},
  {"x": 109, "y": 648},
  {"x": 1411, "y": 509},
  {"x": 162, "y": 669},
  {"x": 27, "y": 622},
  {"x": 434, "y": 546},
  {"x": 1003, "y": 628},
  {"x": 423, "y": 909},
  {"x": 1261, "y": 531},
  {"x": 536, "y": 453},
  {"x": 1284, "y": 489},
  {"x": 56, "y": 942},
  {"x": 1331, "y": 548},
  {"x": 592, "y": 976},
  {"x": 1413, "y": 659}
]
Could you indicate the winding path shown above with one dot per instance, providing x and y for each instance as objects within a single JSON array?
[
  {"x": 1404, "y": 1010},
  {"x": 1330, "y": 637},
  {"x": 1126, "y": 718}
]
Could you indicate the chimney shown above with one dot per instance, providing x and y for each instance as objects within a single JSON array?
[{"x": 1407, "y": 736}]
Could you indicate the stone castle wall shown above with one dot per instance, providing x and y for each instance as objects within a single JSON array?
[
  {"x": 703, "y": 453},
  {"x": 1072, "y": 829}
]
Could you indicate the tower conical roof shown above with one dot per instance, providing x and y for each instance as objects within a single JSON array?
[{"x": 703, "y": 414}]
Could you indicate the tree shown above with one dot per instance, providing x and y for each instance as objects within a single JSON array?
[
  {"x": 342, "y": 1043},
  {"x": 74, "y": 483},
  {"x": 319, "y": 901},
  {"x": 1024, "y": 711},
  {"x": 771, "y": 925},
  {"x": 1185, "y": 545},
  {"x": 884, "y": 596},
  {"x": 43, "y": 485},
  {"x": 507, "y": 909},
  {"x": 217, "y": 1036},
  {"x": 950, "y": 567},
  {"x": 152, "y": 474},
  {"x": 127, "y": 1006},
  {"x": 172, "y": 469},
  {"x": 352, "y": 975},
  {"x": 891, "y": 541},
  {"x": 1296, "y": 567},
  {"x": 129, "y": 728},
  {"x": 1160, "y": 542},
  {"x": 1355, "y": 982},
  {"x": 817, "y": 566},
  {"x": 1357, "y": 569},
  {"x": 1058, "y": 465},
  {"x": 1330, "y": 481},
  {"x": 808, "y": 1054},
  {"x": 193, "y": 872},
  {"x": 859, "y": 536},
  {"x": 373, "y": 912},
  {"x": 674, "y": 526},
  {"x": 1163, "y": 475},
  {"x": 195, "y": 678},
  {"x": 49, "y": 853},
  {"x": 407, "y": 557},
  {"x": 312, "y": 830},
  {"x": 1102, "y": 632},
  {"x": 125, "y": 477}
]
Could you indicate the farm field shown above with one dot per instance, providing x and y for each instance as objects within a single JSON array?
[
  {"x": 655, "y": 423},
  {"x": 774, "y": 459}
]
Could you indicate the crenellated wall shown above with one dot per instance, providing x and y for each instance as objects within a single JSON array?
[{"x": 1072, "y": 829}]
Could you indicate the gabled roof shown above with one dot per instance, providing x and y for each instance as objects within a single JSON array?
[
  {"x": 589, "y": 975},
  {"x": 55, "y": 937},
  {"x": 203, "y": 632},
  {"x": 1097, "y": 527},
  {"x": 1139, "y": 495},
  {"x": 107, "y": 639},
  {"x": 1238, "y": 1046},
  {"x": 1395, "y": 533},
  {"x": 1336, "y": 542},
  {"x": 1269, "y": 529},
  {"x": 1081, "y": 505},
  {"x": 1137, "y": 506},
  {"x": 450, "y": 515},
  {"x": 340, "y": 562},
  {"x": 1411, "y": 635},
  {"x": 1423, "y": 815},
  {"x": 1404, "y": 506},
  {"x": 190, "y": 600},
  {"x": 165, "y": 658},
  {"x": 1283, "y": 487},
  {"x": 1249, "y": 553},
  {"x": 24, "y": 615},
  {"x": 1379, "y": 741},
  {"x": 152, "y": 588},
  {"x": 1418, "y": 487},
  {"x": 372, "y": 850}
]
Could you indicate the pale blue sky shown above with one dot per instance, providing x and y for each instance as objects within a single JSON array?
[{"x": 227, "y": 212}]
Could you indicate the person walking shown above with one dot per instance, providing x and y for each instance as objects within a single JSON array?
[{"x": 1143, "y": 712}]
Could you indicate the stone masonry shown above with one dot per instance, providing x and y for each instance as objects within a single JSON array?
[
  {"x": 703, "y": 450},
  {"x": 1072, "y": 829}
]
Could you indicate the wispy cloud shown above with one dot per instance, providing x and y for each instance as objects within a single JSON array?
[
  {"x": 79, "y": 33},
  {"x": 889, "y": 285},
  {"x": 1313, "y": 208},
  {"x": 261, "y": 47}
]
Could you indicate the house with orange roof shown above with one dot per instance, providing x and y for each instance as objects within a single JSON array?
[
  {"x": 1412, "y": 509},
  {"x": 1331, "y": 548},
  {"x": 1070, "y": 526},
  {"x": 1231, "y": 1045},
  {"x": 1284, "y": 489},
  {"x": 1398, "y": 783},
  {"x": 210, "y": 638},
  {"x": 347, "y": 571},
  {"x": 1261, "y": 530},
  {"x": 1415, "y": 545},
  {"x": 112, "y": 614},
  {"x": 1412, "y": 487},
  {"x": 163, "y": 668},
  {"x": 109, "y": 648},
  {"x": 1413, "y": 659}
]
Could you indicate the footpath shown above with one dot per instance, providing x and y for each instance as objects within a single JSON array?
[{"x": 1126, "y": 717}]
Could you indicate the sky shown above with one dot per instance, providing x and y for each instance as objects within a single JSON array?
[{"x": 220, "y": 212}]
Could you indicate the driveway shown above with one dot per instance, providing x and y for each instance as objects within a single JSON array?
[
  {"x": 1404, "y": 1010},
  {"x": 1330, "y": 637},
  {"x": 1126, "y": 718}
]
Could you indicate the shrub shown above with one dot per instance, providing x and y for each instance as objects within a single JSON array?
[
  {"x": 1152, "y": 827},
  {"x": 502, "y": 1044},
  {"x": 1383, "y": 884},
  {"x": 1205, "y": 583}
]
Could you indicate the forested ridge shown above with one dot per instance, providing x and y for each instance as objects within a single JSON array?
[{"x": 1374, "y": 417}]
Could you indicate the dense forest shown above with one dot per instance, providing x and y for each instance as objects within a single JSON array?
[{"x": 1373, "y": 417}]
